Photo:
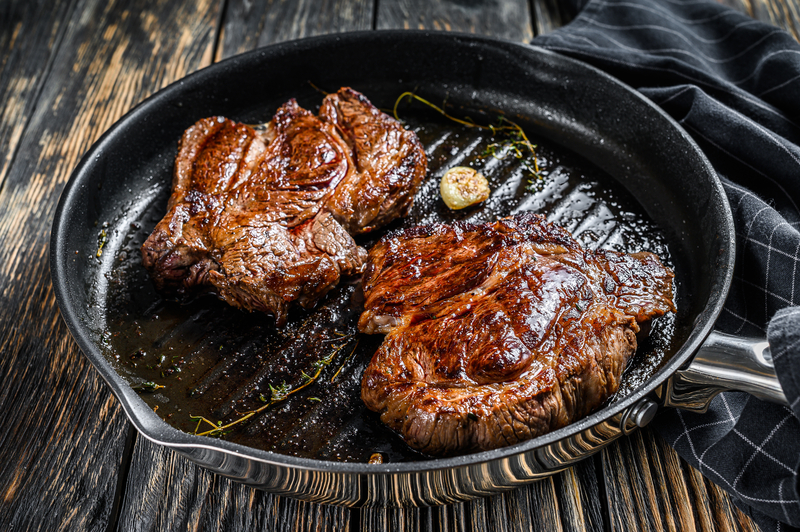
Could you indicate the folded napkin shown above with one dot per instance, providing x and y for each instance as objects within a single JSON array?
[{"x": 734, "y": 84}]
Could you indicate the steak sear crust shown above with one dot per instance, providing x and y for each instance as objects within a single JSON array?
[
  {"x": 500, "y": 332},
  {"x": 264, "y": 217}
]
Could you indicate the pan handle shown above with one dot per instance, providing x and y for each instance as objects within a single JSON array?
[{"x": 725, "y": 363}]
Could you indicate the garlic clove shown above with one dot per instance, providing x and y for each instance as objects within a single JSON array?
[{"x": 462, "y": 186}]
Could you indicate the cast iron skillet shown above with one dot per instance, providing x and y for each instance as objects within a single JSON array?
[{"x": 677, "y": 205}]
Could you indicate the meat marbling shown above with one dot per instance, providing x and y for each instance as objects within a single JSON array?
[
  {"x": 264, "y": 216},
  {"x": 500, "y": 332}
]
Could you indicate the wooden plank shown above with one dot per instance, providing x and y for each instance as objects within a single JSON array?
[
  {"x": 496, "y": 512},
  {"x": 168, "y": 492},
  {"x": 579, "y": 497},
  {"x": 476, "y": 515},
  {"x": 625, "y": 488},
  {"x": 650, "y": 488},
  {"x": 716, "y": 510},
  {"x": 451, "y": 518},
  {"x": 549, "y": 15},
  {"x": 29, "y": 33},
  {"x": 58, "y": 461},
  {"x": 712, "y": 508},
  {"x": 782, "y": 13},
  {"x": 673, "y": 475},
  {"x": 394, "y": 519},
  {"x": 372, "y": 519},
  {"x": 498, "y": 18},
  {"x": 64, "y": 435},
  {"x": 537, "y": 506},
  {"x": 533, "y": 507},
  {"x": 249, "y": 24}
]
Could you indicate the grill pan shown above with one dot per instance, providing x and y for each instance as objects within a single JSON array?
[{"x": 616, "y": 170}]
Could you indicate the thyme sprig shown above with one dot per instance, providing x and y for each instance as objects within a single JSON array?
[
  {"x": 147, "y": 386},
  {"x": 346, "y": 360},
  {"x": 102, "y": 238},
  {"x": 515, "y": 139},
  {"x": 277, "y": 394}
]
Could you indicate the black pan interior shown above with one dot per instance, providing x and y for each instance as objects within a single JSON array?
[{"x": 602, "y": 179}]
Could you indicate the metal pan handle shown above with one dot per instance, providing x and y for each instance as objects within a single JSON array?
[{"x": 725, "y": 363}]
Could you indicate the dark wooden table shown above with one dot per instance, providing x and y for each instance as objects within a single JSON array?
[{"x": 69, "y": 459}]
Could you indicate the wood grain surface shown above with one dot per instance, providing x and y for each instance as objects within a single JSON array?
[
  {"x": 249, "y": 24},
  {"x": 86, "y": 63},
  {"x": 648, "y": 487},
  {"x": 68, "y": 458},
  {"x": 507, "y": 19},
  {"x": 782, "y": 13},
  {"x": 31, "y": 32},
  {"x": 167, "y": 492}
]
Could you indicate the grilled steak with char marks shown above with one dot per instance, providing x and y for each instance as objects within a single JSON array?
[
  {"x": 264, "y": 217},
  {"x": 500, "y": 332}
]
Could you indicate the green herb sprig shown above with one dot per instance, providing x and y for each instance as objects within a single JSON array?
[
  {"x": 513, "y": 138},
  {"x": 277, "y": 393}
]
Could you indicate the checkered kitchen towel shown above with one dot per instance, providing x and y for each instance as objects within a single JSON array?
[{"x": 734, "y": 84}]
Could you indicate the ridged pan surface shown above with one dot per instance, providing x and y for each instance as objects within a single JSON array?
[{"x": 612, "y": 170}]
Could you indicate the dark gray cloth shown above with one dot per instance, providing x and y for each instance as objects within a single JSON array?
[{"x": 734, "y": 84}]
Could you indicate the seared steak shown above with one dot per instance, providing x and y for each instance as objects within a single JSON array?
[
  {"x": 500, "y": 332},
  {"x": 263, "y": 217}
]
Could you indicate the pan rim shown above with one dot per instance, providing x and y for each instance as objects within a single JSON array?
[{"x": 158, "y": 431}]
